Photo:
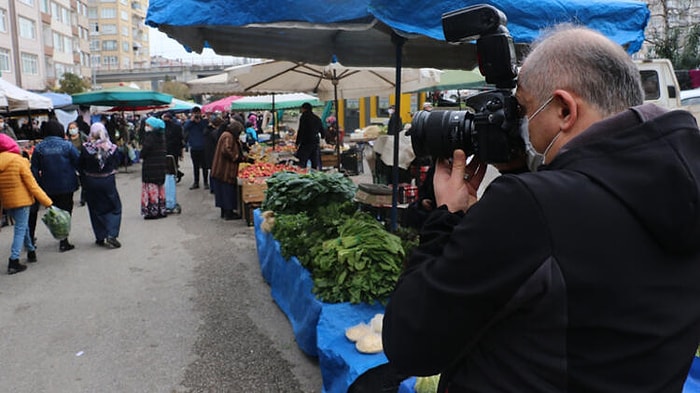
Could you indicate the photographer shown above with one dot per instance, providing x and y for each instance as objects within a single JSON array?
[{"x": 580, "y": 277}]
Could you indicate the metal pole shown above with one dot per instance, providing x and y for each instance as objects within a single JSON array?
[
  {"x": 337, "y": 119},
  {"x": 398, "y": 41}
]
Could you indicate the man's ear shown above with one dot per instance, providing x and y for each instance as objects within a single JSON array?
[{"x": 567, "y": 109}]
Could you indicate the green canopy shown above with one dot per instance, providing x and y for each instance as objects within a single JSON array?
[
  {"x": 122, "y": 96},
  {"x": 274, "y": 102},
  {"x": 458, "y": 80}
]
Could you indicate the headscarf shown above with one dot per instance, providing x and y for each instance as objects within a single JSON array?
[
  {"x": 99, "y": 144},
  {"x": 8, "y": 144},
  {"x": 156, "y": 124}
]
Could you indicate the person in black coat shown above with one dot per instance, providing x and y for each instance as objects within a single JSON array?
[
  {"x": 211, "y": 137},
  {"x": 174, "y": 141},
  {"x": 153, "y": 169},
  {"x": 308, "y": 137}
]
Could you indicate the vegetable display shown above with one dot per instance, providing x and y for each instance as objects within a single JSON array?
[
  {"x": 361, "y": 265},
  {"x": 290, "y": 193}
]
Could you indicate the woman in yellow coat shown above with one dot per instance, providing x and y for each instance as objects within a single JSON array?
[{"x": 18, "y": 190}]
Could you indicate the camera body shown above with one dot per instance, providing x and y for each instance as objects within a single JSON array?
[{"x": 491, "y": 129}]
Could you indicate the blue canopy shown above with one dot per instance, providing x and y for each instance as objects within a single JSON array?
[{"x": 360, "y": 32}]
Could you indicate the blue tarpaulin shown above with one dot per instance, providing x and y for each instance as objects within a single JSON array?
[
  {"x": 319, "y": 328},
  {"x": 359, "y": 32}
]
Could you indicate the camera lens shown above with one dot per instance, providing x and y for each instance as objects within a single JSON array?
[{"x": 439, "y": 133}]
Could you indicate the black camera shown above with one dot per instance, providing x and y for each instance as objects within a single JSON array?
[{"x": 490, "y": 130}]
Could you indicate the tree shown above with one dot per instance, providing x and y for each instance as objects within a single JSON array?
[
  {"x": 72, "y": 84},
  {"x": 176, "y": 89},
  {"x": 672, "y": 33}
]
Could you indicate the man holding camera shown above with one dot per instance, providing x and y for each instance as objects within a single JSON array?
[{"x": 580, "y": 277}]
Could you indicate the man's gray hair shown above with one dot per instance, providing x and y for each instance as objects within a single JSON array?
[{"x": 585, "y": 62}]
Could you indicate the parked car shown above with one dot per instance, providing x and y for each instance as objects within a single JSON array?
[{"x": 690, "y": 97}]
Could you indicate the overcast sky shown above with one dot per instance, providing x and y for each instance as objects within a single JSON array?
[{"x": 162, "y": 45}]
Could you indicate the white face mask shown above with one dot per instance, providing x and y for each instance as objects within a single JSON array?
[
  {"x": 534, "y": 158},
  {"x": 73, "y": 131},
  {"x": 391, "y": 111},
  {"x": 148, "y": 129}
]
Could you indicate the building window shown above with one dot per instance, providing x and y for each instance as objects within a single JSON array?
[
  {"x": 108, "y": 13},
  {"x": 125, "y": 31},
  {"x": 4, "y": 60},
  {"x": 95, "y": 61},
  {"x": 125, "y": 15},
  {"x": 92, "y": 12},
  {"x": 27, "y": 28},
  {"x": 125, "y": 47},
  {"x": 60, "y": 70},
  {"x": 44, "y": 6},
  {"x": 30, "y": 64},
  {"x": 109, "y": 28},
  {"x": 110, "y": 62},
  {"x": 27, "y": 2},
  {"x": 58, "y": 42},
  {"x": 94, "y": 27},
  {"x": 3, "y": 20},
  {"x": 109, "y": 45}
]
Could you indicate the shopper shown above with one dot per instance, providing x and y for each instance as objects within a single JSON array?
[
  {"x": 194, "y": 136},
  {"x": 98, "y": 165},
  {"x": 153, "y": 170},
  {"x": 55, "y": 165},
  {"x": 224, "y": 171},
  {"x": 18, "y": 190}
]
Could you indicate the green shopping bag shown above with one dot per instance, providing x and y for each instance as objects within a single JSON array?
[{"x": 58, "y": 222}]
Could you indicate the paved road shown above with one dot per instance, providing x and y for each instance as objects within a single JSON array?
[{"x": 181, "y": 307}]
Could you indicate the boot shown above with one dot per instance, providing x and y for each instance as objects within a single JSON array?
[
  {"x": 15, "y": 267},
  {"x": 31, "y": 256},
  {"x": 65, "y": 246},
  {"x": 228, "y": 215}
]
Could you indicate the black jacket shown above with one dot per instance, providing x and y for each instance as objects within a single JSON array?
[
  {"x": 153, "y": 157},
  {"x": 174, "y": 139},
  {"x": 310, "y": 127},
  {"x": 582, "y": 277}
]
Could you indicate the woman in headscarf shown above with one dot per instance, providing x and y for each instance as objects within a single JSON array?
[
  {"x": 153, "y": 154},
  {"x": 224, "y": 170},
  {"x": 18, "y": 190},
  {"x": 98, "y": 165}
]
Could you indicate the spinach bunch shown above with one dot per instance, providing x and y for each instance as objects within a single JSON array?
[{"x": 290, "y": 192}]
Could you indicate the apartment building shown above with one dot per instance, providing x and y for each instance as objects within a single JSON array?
[
  {"x": 40, "y": 40},
  {"x": 118, "y": 35}
]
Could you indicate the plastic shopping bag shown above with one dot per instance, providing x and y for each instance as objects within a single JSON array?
[{"x": 58, "y": 222}]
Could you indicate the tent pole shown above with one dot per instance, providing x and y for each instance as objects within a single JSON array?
[
  {"x": 274, "y": 119},
  {"x": 337, "y": 119},
  {"x": 398, "y": 41}
]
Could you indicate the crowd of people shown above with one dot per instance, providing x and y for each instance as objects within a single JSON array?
[{"x": 86, "y": 157}]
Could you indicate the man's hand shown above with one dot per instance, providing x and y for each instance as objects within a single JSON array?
[{"x": 456, "y": 182}]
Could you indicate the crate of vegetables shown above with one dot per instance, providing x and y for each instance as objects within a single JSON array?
[{"x": 253, "y": 189}]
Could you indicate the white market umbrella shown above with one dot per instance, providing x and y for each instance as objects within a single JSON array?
[
  {"x": 328, "y": 82},
  {"x": 15, "y": 98}
]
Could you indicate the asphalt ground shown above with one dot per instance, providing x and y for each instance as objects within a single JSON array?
[{"x": 180, "y": 307}]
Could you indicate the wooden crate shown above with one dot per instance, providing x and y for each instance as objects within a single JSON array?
[
  {"x": 253, "y": 191},
  {"x": 248, "y": 209}
]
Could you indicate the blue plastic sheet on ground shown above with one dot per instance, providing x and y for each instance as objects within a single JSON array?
[
  {"x": 319, "y": 328},
  {"x": 290, "y": 286},
  {"x": 340, "y": 362}
]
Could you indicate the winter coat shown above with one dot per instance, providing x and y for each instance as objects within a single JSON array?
[
  {"x": 18, "y": 187},
  {"x": 153, "y": 157},
  {"x": 211, "y": 138},
  {"x": 55, "y": 165},
  {"x": 228, "y": 152},
  {"x": 173, "y": 138},
  {"x": 310, "y": 129},
  {"x": 194, "y": 133},
  {"x": 581, "y": 277}
]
